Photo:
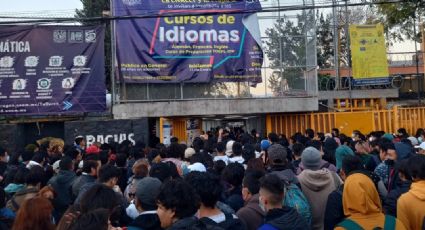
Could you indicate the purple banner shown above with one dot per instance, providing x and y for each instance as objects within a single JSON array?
[
  {"x": 188, "y": 41},
  {"x": 51, "y": 70}
]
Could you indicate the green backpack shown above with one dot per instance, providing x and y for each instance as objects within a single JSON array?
[{"x": 352, "y": 225}]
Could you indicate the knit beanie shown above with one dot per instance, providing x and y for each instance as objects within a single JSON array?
[
  {"x": 341, "y": 152},
  {"x": 311, "y": 158}
]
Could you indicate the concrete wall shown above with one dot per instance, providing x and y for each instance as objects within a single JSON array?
[
  {"x": 108, "y": 131},
  {"x": 358, "y": 94},
  {"x": 214, "y": 107}
]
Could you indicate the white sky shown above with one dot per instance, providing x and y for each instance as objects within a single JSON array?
[{"x": 38, "y": 5}]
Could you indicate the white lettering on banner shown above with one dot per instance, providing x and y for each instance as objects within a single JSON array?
[
  {"x": 14, "y": 47},
  {"x": 90, "y": 139}
]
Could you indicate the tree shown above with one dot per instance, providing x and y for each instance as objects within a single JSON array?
[
  {"x": 325, "y": 50},
  {"x": 95, "y": 9},
  {"x": 286, "y": 49},
  {"x": 401, "y": 16}
]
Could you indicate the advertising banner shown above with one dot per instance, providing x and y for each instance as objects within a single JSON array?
[
  {"x": 163, "y": 41},
  {"x": 369, "y": 56},
  {"x": 51, "y": 70}
]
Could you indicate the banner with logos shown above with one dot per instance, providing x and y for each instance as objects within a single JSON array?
[
  {"x": 369, "y": 56},
  {"x": 163, "y": 41},
  {"x": 51, "y": 70}
]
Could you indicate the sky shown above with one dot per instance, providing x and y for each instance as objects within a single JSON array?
[{"x": 38, "y": 5}]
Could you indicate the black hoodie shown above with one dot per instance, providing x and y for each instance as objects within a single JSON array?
[
  {"x": 146, "y": 222},
  {"x": 284, "y": 218}
]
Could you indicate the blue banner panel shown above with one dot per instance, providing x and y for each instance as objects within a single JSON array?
[
  {"x": 187, "y": 41},
  {"x": 52, "y": 70}
]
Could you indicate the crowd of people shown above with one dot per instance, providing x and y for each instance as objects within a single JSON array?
[{"x": 224, "y": 180}]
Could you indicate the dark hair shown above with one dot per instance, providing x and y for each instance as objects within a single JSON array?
[
  {"x": 351, "y": 163},
  {"x": 297, "y": 149},
  {"x": 417, "y": 167},
  {"x": 88, "y": 165},
  {"x": 91, "y": 157},
  {"x": 403, "y": 167},
  {"x": 93, "y": 220},
  {"x": 385, "y": 146},
  {"x": 221, "y": 147},
  {"x": 2, "y": 152},
  {"x": 336, "y": 131},
  {"x": 65, "y": 163},
  {"x": 180, "y": 197},
  {"x": 255, "y": 164},
  {"x": 233, "y": 174},
  {"x": 98, "y": 196},
  {"x": 237, "y": 149},
  {"x": 309, "y": 133},
  {"x": 38, "y": 157},
  {"x": 207, "y": 186},
  {"x": 72, "y": 153},
  {"x": 107, "y": 172},
  {"x": 175, "y": 150},
  {"x": 316, "y": 144},
  {"x": 248, "y": 152},
  {"x": 121, "y": 160},
  {"x": 219, "y": 166},
  {"x": 27, "y": 156},
  {"x": 2, "y": 198},
  {"x": 20, "y": 176},
  {"x": 419, "y": 132},
  {"x": 152, "y": 155},
  {"x": 251, "y": 181},
  {"x": 161, "y": 171},
  {"x": 173, "y": 169},
  {"x": 78, "y": 140},
  {"x": 103, "y": 156},
  {"x": 274, "y": 185},
  {"x": 35, "y": 175},
  {"x": 197, "y": 144},
  {"x": 273, "y": 137},
  {"x": 174, "y": 140}
]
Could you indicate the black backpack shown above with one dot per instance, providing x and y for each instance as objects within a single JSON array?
[{"x": 231, "y": 223}]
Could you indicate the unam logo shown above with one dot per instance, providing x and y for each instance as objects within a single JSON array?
[{"x": 132, "y": 2}]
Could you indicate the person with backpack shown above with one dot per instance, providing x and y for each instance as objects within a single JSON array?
[
  {"x": 362, "y": 206},
  {"x": 278, "y": 216},
  {"x": 294, "y": 197},
  {"x": 317, "y": 183},
  {"x": 411, "y": 205},
  {"x": 208, "y": 188}
]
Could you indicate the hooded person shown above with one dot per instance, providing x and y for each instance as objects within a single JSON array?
[
  {"x": 317, "y": 183},
  {"x": 410, "y": 205},
  {"x": 329, "y": 148},
  {"x": 340, "y": 153},
  {"x": 362, "y": 206}
]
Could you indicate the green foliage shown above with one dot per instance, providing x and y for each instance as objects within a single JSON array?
[
  {"x": 94, "y": 9},
  {"x": 399, "y": 18}
]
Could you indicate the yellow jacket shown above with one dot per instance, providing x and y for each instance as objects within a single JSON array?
[
  {"x": 362, "y": 204},
  {"x": 411, "y": 206}
]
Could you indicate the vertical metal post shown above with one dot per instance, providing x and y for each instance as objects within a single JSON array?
[
  {"x": 113, "y": 55},
  {"x": 418, "y": 78},
  {"x": 347, "y": 46},
  {"x": 335, "y": 41}
]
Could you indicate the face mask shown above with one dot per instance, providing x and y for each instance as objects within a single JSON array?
[
  {"x": 420, "y": 139},
  {"x": 389, "y": 162},
  {"x": 260, "y": 203},
  {"x": 7, "y": 158}
]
